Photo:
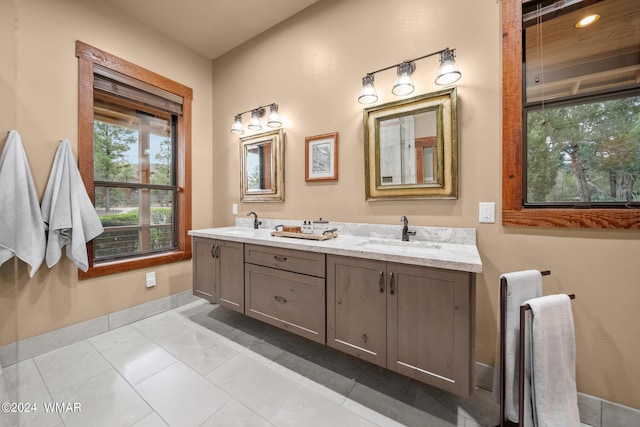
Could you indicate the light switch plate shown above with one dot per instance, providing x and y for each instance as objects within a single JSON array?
[
  {"x": 487, "y": 212},
  {"x": 234, "y": 208}
]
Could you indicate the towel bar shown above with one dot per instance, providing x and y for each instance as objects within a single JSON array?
[{"x": 503, "y": 310}]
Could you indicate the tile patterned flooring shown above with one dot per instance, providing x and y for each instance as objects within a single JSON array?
[{"x": 203, "y": 365}]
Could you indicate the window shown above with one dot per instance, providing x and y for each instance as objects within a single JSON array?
[
  {"x": 571, "y": 153},
  {"x": 133, "y": 178},
  {"x": 134, "y": 157}
]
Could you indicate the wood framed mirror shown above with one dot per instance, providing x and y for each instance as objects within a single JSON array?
[
  {"x": 262, "y": 167},
  {"x": 411, "y": 148}
]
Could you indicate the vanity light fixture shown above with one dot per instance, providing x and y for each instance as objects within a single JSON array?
[
  {"x": 255, "y": 123},
  {"x": 447, "y": 74}
]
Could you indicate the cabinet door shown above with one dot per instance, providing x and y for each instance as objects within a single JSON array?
[
  {"x": 230, "y": 274},
  {"x": 204, "y": 268},
  {"x": 356, "y": 307},
  {"x": 430, "y": 326}
]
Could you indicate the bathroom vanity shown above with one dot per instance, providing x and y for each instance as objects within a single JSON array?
[{"x": 405, "y": 306}]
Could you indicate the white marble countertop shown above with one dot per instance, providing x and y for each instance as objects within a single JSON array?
[{"x": 448, "y": 248}]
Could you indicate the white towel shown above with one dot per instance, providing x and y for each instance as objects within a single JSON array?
[
  {"x": 68, "y": 211},
  {"x": 553, "y": 362},
  {"x": 521, "y": 286},
  {"x": 22, "y": 231}
]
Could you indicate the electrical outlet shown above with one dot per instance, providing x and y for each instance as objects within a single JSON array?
[
  {"x": 151, "y": 279},
  {"x": 234, "y": 209},
  {"x": 487, "y": 212}
]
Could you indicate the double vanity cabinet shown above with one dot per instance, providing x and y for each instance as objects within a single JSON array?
[{"x": 386, "y": 304}]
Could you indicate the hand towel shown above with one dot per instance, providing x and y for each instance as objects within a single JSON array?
[
  {"x": 67, "y": 210},
  {"x": 22, "y": 232},
  {"x": 553, "y": 362},
  {"x": 521, "y": 286}
]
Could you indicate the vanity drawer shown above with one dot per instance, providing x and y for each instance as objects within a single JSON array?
[
  {"x": 310, "y": 263},
  {"x": 291, "y": 301}
]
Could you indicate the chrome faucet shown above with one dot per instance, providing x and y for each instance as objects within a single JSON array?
[
  {"x": 405, "y": 229},
  {"x": 256, "y": 223}
]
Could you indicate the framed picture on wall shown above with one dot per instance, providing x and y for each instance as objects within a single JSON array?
[{"x": 321, "y": 157}]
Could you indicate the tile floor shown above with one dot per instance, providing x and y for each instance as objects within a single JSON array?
[{"x": 203, "y": 365}]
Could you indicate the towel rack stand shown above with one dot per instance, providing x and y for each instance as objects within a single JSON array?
[
  {"x": 504, "y": 422},
  {"x": 523, "y": 312}
]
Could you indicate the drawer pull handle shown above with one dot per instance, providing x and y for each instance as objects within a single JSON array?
[
  {"x": 381, "y": 281},
  {"x": 213, "y": 251},
  {"x": 392, "y": 287},
  {"x": 281, "y": 300},
  {"x": 280, "y": 258},
  {"x": 365, "y": 338}
]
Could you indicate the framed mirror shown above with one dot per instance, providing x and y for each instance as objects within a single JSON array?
[
  {"x": 262, "y": 167},
  {"x": 411, "y": 148}
]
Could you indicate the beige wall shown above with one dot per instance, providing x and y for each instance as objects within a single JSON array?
[
  {"x": 38, "y": 97},
  {"x": 312, "y": 66}
]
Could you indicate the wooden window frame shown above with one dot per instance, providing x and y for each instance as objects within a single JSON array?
[
  {"x": 88, "y": 57},
  {"x": 513, "y": 212},
  {"x": 420, "y": 145}
]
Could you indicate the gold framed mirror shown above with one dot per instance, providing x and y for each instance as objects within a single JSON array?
[
  {"x": 262, "y": 167},
  {"x": 411, "y": 148}
]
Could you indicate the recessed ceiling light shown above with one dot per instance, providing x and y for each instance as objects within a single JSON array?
[{"x": 587, "y": 20}]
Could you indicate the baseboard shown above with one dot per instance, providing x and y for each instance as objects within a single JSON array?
[
  {"x": 593, "y": 410},
  {"x": 34, "y": 346}
]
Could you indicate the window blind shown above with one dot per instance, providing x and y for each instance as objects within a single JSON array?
[{"x": 114, "y": 83}]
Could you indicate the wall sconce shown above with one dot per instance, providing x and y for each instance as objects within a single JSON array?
[
  {"x": 447, "y": 74},
  {"x": 255, "y": 123}
]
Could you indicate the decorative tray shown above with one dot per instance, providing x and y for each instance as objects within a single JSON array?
[{"x": 305, "y": 236}]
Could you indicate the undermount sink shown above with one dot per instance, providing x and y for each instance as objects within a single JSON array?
[{"x": 385, "y": 243}]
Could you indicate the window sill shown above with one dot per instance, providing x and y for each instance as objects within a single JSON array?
[
  {"x": 106, "y": 268},
  {"x": 573, "y": 218}
]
